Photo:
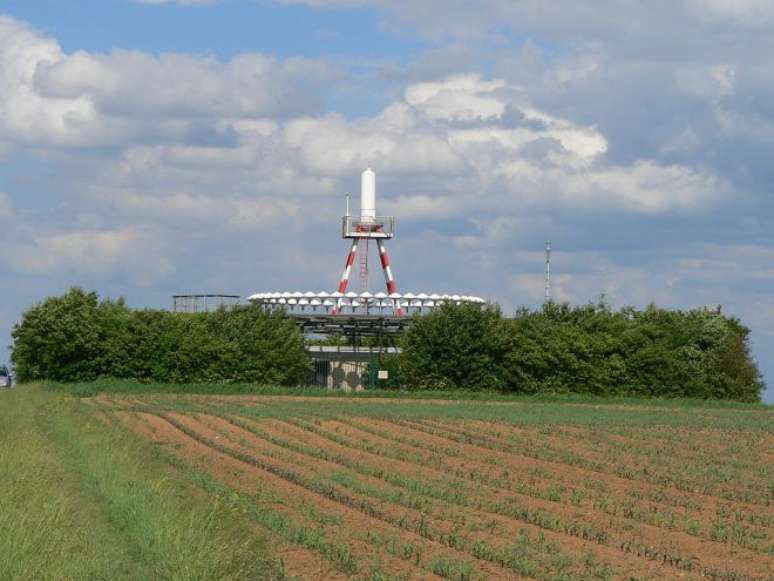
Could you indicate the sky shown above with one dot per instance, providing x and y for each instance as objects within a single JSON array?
[{"x": 155, "y": 147}]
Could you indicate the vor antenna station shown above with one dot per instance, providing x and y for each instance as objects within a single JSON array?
[{"x": 361, "y": 229}]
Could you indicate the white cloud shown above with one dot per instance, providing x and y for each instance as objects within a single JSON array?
[
  {"x": 134, "y": 84},
  {"x": 53, "y": 99},
  {"x": 246, "y": 212},
  {"x": 25, "y": 115},
  {"x": 130, "y": 250},
  {"x": 450, "y": 148},
  {"x": 458, "y": 98},
  {"x": 335, "y": 146},
  {"x": 750, "y": 13},
  {"x": 231, "y": 140},
  {"x": 567, "y": 20},
  {"x": 642, "y": 187},
  {"x": 490, "y": 149}
]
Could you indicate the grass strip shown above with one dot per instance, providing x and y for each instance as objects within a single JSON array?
[{"x": 84, "y": 500}]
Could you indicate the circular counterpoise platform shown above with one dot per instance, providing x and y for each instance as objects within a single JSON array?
[{"x": 358, "y": 303}]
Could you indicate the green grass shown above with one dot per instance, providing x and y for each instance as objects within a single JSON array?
[
  {"x": 124, "y": 386},
  {"x": 515, "y": 410},
  {"x": 83, "y": 500}
]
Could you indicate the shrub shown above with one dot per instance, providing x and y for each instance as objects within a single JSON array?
[
  {"x": 77, "y": 337},
  {"x": 68, "y": 338},
  {"x": 588, "y": 349},
  {"x": 455, "y": 347}
]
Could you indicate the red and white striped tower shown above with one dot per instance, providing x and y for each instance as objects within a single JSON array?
[
  {"x": 392, "y": 287},
  {"x": 348, "y": 268},
  {"x": 361, "y": 229}
]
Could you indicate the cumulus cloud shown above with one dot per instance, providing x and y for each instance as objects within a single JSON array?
[
  {"x": 134, "y": 84},
  {"x": 568, "y": 20},
  {"x": 194, "y": 208},
  {"x": 185, "y": 127},
  {"x": 54, "y": 99},
  {"x": 451, "y": 147},
  {"x": 748, "y": 13},
  {"x": 484, "y": 145},
  {"x": 129, "y": 250}
]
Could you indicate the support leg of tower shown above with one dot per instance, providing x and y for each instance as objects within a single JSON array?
[
  {"x": 392, "y": 287},
  {"x": 347, "y": 271}
]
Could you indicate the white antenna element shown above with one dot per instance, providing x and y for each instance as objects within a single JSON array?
[
  {"x": 347, "y": 214},
  {"x": 368, "y": 195},
  {"x": 548, "y": 272}
]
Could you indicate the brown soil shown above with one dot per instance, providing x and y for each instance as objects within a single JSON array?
[
  {"x": 436, "y": 458},
  {"x": 710, "y": 554},
  {"x": 297, "y": 562},
  {"x": 578, "y": 474},
  {"x": 508, "y": 526},
  {"x": 664, "y": 458},
  {"x": 354, "y": 525},
  {"x": 246, "y": 442},
  {"x": 698, "y": 507}
]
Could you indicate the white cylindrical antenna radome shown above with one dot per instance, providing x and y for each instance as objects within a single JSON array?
[
  {"x": 368, "y": 195},
  {"x": 347, "y": 214}
]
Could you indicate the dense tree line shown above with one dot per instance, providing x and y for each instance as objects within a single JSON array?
[
  {"x": 589, "y": 349},
  {"x": 78, "y": 337}
]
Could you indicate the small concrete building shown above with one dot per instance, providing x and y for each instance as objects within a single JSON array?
[{"x": 344, "y": 367}]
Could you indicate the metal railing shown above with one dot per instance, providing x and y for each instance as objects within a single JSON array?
[{"x": 378, "y": 227}]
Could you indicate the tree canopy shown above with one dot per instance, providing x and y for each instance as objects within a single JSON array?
[
  {"x": 590, "y": 349},
  {"x": 78, "y": 337}
]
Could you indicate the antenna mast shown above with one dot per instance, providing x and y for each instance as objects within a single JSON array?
[{"x": 548, "y": 271}]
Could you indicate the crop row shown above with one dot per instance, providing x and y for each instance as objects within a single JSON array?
[
  {"x": 474, "y": 495},
  {"x": 604, "y": 499},
  {"x": 454, "y": 494}
]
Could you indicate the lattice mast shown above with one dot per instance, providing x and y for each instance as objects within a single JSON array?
[
  {"x": 548, "y": 272},
  {"x": 363, "y": 228}
]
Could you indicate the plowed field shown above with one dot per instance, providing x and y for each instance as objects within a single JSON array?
[{"x": 369, "y": 489}]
